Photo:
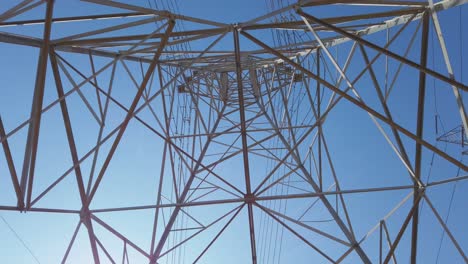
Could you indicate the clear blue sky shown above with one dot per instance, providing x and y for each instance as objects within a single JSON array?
[{"x": 361, "y": 156}]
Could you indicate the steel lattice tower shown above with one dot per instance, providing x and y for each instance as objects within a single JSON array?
[{"x": 305, "y": 135}]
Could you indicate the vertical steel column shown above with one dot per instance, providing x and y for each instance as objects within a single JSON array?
[
  {"x": 29, "y": 164},
  {"x": 249, "y": 197},
  {"x": 419, "y": 133},
  {"x": 319, "y": 124}
]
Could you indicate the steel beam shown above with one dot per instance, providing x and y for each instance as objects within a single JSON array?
[
  {"x": 131, "y": 110},
  {"x": 419, "y": 133},
  {"x": 403, "y": 228},
  {"x": 384, "y": 51},
  {"x": 11, "y": 166},
  {"x": 245, "y": 151},
  {"x": 358, "y": 103},
  {"x": 29, "y": 163},
  {"x": 74, "y": 19},
  {"x": 74, "y": 154}
]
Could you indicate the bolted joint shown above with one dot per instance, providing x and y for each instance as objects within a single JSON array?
[
  {"x": 172, "y": 19},
  {"x": 85, "y": 215},
  {"x": 167, "y": 14},
  {"x": 237, "y": 27},
  {"x": 421, "y": 189},
  {"x": 297, "y": 8},
  {"x": 355, "y": 245},
  {"x": 250, "y": 198},
  {"x": 153, "y": 259}
]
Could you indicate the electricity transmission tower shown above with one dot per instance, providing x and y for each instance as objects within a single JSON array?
[{"x": 305, "y": 135}]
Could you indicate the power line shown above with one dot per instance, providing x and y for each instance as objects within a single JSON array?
[
  {"x": 20, "y": 239},
  {"x": 448, "y": 213}
]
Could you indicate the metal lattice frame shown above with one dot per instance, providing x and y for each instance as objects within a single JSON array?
[{"x": 210, "y": 107}]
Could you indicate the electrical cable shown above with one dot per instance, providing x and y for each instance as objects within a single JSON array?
[
  {"x": 454, "y": 188},
  {"x": 20, "y": 239}
]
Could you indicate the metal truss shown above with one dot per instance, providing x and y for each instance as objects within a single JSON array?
[{"x": 210, "y": 127}]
